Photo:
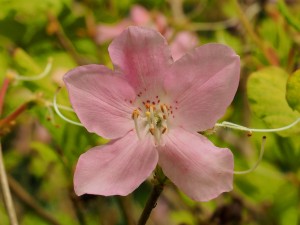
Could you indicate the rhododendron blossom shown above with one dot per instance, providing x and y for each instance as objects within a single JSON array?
[{"x": 152, "y": 108}]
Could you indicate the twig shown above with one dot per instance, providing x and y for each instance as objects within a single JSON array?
[
  {"x": 269, "y": 53},
  {"x": 211, "y": 26},
  {"x": 77, "y": 207},
  {"x": 64, "y": 40},
  {"x": 177, "y": 11},
  {"x": 14, "y": 114},
  {"x": 159, "y": 181},
  {"x": 126, "y": 209},
  {"x": 3, "y": 92},
  {"x": 151, "y": 203},
  {"x": 6, "y": 192},
  {"x": 21, "y": 193}
]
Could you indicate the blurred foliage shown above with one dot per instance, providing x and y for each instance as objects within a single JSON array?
[{"x": 41, "y": 150}]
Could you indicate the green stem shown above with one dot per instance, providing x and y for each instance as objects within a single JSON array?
[
  {"x": 159, "y": 182},
  {"x": 6, "y": 192}
]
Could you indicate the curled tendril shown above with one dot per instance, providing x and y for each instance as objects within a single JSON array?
[
  {"x": 261, "y": 153},
  {"x": 56, "y": 108},
  {"x": 234, "y": 126},
  {"x": 39, "y": 76}
]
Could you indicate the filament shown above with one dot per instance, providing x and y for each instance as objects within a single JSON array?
[
  {"x": 61, "y": 115},
  {"x": 239, "y": 127},
  {"x": 261, "y": 153},
  {"x": 39, "y": 76}
]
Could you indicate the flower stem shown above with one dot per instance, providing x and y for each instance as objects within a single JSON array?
[
  {"x": 159, "y": 182},
  {"x": 6, "y": 192}
]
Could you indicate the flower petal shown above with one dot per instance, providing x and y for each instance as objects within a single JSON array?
[
  {"x": 201, "y": 170},
  {"x": 106, "y": 32},
  {"x": 117, "y": 168},
  {"x": 203, "y": 82},
  {"x": 142, "y": 55},
  {"x": 101, "y": 100},
  {"x": 183, "y": 42}
]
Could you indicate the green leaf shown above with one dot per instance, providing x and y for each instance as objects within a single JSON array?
[
  {"x": 266, "y": 94},
  {"x": 292, "y": 91}
]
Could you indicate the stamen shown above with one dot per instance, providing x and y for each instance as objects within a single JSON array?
[
  {"x": 60, "y": 106},
  {"x": 39, "y": 76},
  {"x": 51, "y": 114},
  {"x": 135, "y": 115},
  {"x": 61, "y": 115},
  {"x": 152, "y": 113},
  {"x": 148, "y": 114},
  {"x": 151, "y": 129},
  {"x": 164, "y": 110},
  {"x": 239, "y": 127},
  {"x": 164, "y": 129},
  {"x": 261, "y": 153}
]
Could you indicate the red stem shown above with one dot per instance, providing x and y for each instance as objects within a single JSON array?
[
  {"x": 3, "y": 92},
  {"x": 14, "y": 115}
]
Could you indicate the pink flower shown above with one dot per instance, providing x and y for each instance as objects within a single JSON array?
[
  {"x": 139, "y": 16},
  {"x": 152, "y": 108},
  {"x": 182, "y": 42}
]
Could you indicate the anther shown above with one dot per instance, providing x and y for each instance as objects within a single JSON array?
[
  {"x": 261, "y": 153},
  {"x": 164, "y": 130},
  {"x": 147, "y": 114},
  {"x": 151, "y": 129},
  {"x": 135, "y": 115},
  {"x": 162, "y": 108}
]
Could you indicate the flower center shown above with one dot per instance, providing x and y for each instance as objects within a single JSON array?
[{"x": 152, "y": 118}]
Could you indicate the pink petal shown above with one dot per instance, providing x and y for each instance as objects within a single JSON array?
[
  {"x": 142, "y": 55},
  {"x": 183, "y": 42},
  {"x": 203, "y": 83},
  {"x": 140, "y": 16},
  {"x": 101, "y": 100},
  {"x": 201, "y": 170},
  {"x": 117, "y": 168},
  {"x": 106, "y": 32}
]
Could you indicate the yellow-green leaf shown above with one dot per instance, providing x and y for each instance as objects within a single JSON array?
[
  {"x": 266, "y": 94},
  {"x": 293, "y": 91}
]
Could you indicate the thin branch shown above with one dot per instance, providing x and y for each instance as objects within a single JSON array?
[
  {"x": 77, "y": 207},
  {"x": 22, "y": 194},
  {"x": 126, "y": 209},
  {"x": 151, "y": 203},
  {"x": 14, "y": 114},
  {"x": 211, "y": 26},
  {"x": 64, "y": 40},
  {"x": 6, "y": 192},
  {"x": 159, "y": 181},
  {"x": 268, "y": 52},
  {"x": 3, "y": 92}
]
